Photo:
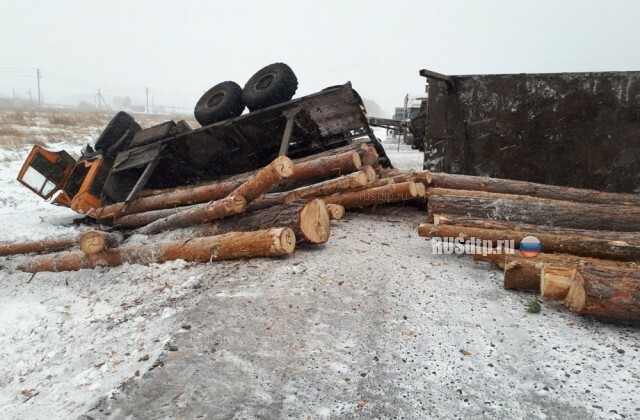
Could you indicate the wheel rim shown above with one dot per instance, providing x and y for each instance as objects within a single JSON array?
[
  {"x": 265, "y": 81},
  {"x": 216, "y": 99}
]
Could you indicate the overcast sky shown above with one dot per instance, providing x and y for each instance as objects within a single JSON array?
[{"x": 181, "y": 48}]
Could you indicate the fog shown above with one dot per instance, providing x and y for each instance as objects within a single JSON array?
[{"x": 180, "y": 49}]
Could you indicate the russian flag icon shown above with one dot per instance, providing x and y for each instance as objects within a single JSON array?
[{"x": 530, "y": 246}]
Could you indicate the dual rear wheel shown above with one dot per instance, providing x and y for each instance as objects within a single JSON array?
[{"x": 273, "y": 84}]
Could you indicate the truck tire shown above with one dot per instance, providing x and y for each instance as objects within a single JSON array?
[
  {"x": 274, "y": 84},
  {"x": 221, "y": 102},
  {"x": 116, "y": 128}
]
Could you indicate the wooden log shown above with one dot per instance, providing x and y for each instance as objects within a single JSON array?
[
  {"x": 201, "y": 213},
  {"x": 314, "y": 169},
  {"x": 470, "y": 221},
  {"x": 263, "y": 243},
  {"x": 523, "y": 272},
  {"x": 332, "y": 186},
  {"x": 369, "y": 156},
  {"x": 508, "y": 186},
  {"x": 265, "y": 179},
  {"x": 370, "y": 172},
  {"x": 356, "y": 145},
  {"x": 336, "y": 211},
  {"x": 47, "y": 245},
  {"x": 423, "y": 177},
  {"x": 95, "y": 241},
  {"x": 310, "y": 221},
  {"x": 601, "y": 290},
  {"x": 532, "y": 210},
  {"x": 323, "y": 167},
  {"x": 563, "y": 243},
  {"x": 393, "y": 193},
  {"x": 348, "y": 182}
]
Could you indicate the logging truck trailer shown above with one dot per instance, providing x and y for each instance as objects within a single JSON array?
[
  {"x": 571, "y": 129},
  {"x": 126, "y": 158}
]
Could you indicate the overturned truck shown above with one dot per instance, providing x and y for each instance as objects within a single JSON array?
[
  {"x": 572, "y": 129},
  {"x": 127, "y": 159}
]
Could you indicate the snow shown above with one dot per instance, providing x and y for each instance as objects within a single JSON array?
[{"x": 289, "y": 332}]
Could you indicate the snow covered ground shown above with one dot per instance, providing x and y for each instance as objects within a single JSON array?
[{"x": 369, "y": 325}]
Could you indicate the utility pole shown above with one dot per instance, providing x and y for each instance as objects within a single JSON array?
[
  {"x": 153, "y": 105},
  {"x": 39, "y": 96},
  {"x": 147, "y": 90},
  {"x": 14, "y": 92}
]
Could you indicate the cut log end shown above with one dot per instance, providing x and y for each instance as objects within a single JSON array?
[
  {"x": 427, "y": 230},
  {"x": 283, "y": 166},
  {"x": 315, "y": 222},
  {"x": 284, "y": 240},
  {"x": 370, "y": 173},
  {"x": 421, "y": 190},
  {"x": 336, "y": 211},
  {"x": 236, "y": 203},
  {"x": 92, "y": 242},
  {"x": 556, "y": 282},
  {"x": 357, "y": 160}
]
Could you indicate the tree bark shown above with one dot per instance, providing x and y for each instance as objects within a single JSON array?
[
  {"x": 606, "y": 291},
  {"x": 309, "y": 221},
  {"x": 470, "y": 221},
  {"x": 349, "y": 182},
  {"x": 263, "y": 243},
  {"x": 369, "y": 156},
  {"x": 47, "y": 245},
  {"x": 564, "y": 243},
  {"x": 508, "y": 186},
  {"x": 265, "y": 179},
  {"x": 95, "y": 241},
  {"x": 201, "y": 213},
  {"x": 323, "y": 167},
  {"x": 532, "y": 210},
  {"x": 393, "y": 193},
  {"x": 423, "y": 177},
  {"x": 522, "y": 272}
]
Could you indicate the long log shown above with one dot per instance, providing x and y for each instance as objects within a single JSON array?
[
  {"x": 527, "y": 209},
  {"x": 604, "y": 291},
  {"x": 348, "y": 182},
  {"x": 522, "y": 272},
  {"x": 201, "y": 213},
  {"x": 563, "y": 243},
  {"x": 265, "y": 179},
  {"x": 508, "y": 186},
  {"x": 95, "y": 241},
  {"x": 393, "y": 193},
  {"x": 423, "y": 177},
  {"x": 263, "y": 243},
  {"x": 314, "y": 169},
  {"x": 47, "y": 245},
  {"x": 324, "y": 167},
  {"x": 310, "y": 221},
  {"x": 470, "y": 221}
]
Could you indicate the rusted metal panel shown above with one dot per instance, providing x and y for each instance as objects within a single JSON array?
[{"x": 573, "y": 129}]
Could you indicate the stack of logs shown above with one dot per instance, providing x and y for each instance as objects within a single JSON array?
[
  {"x": 590, "y": 239},
  {"x": 264, "y": 213}
]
